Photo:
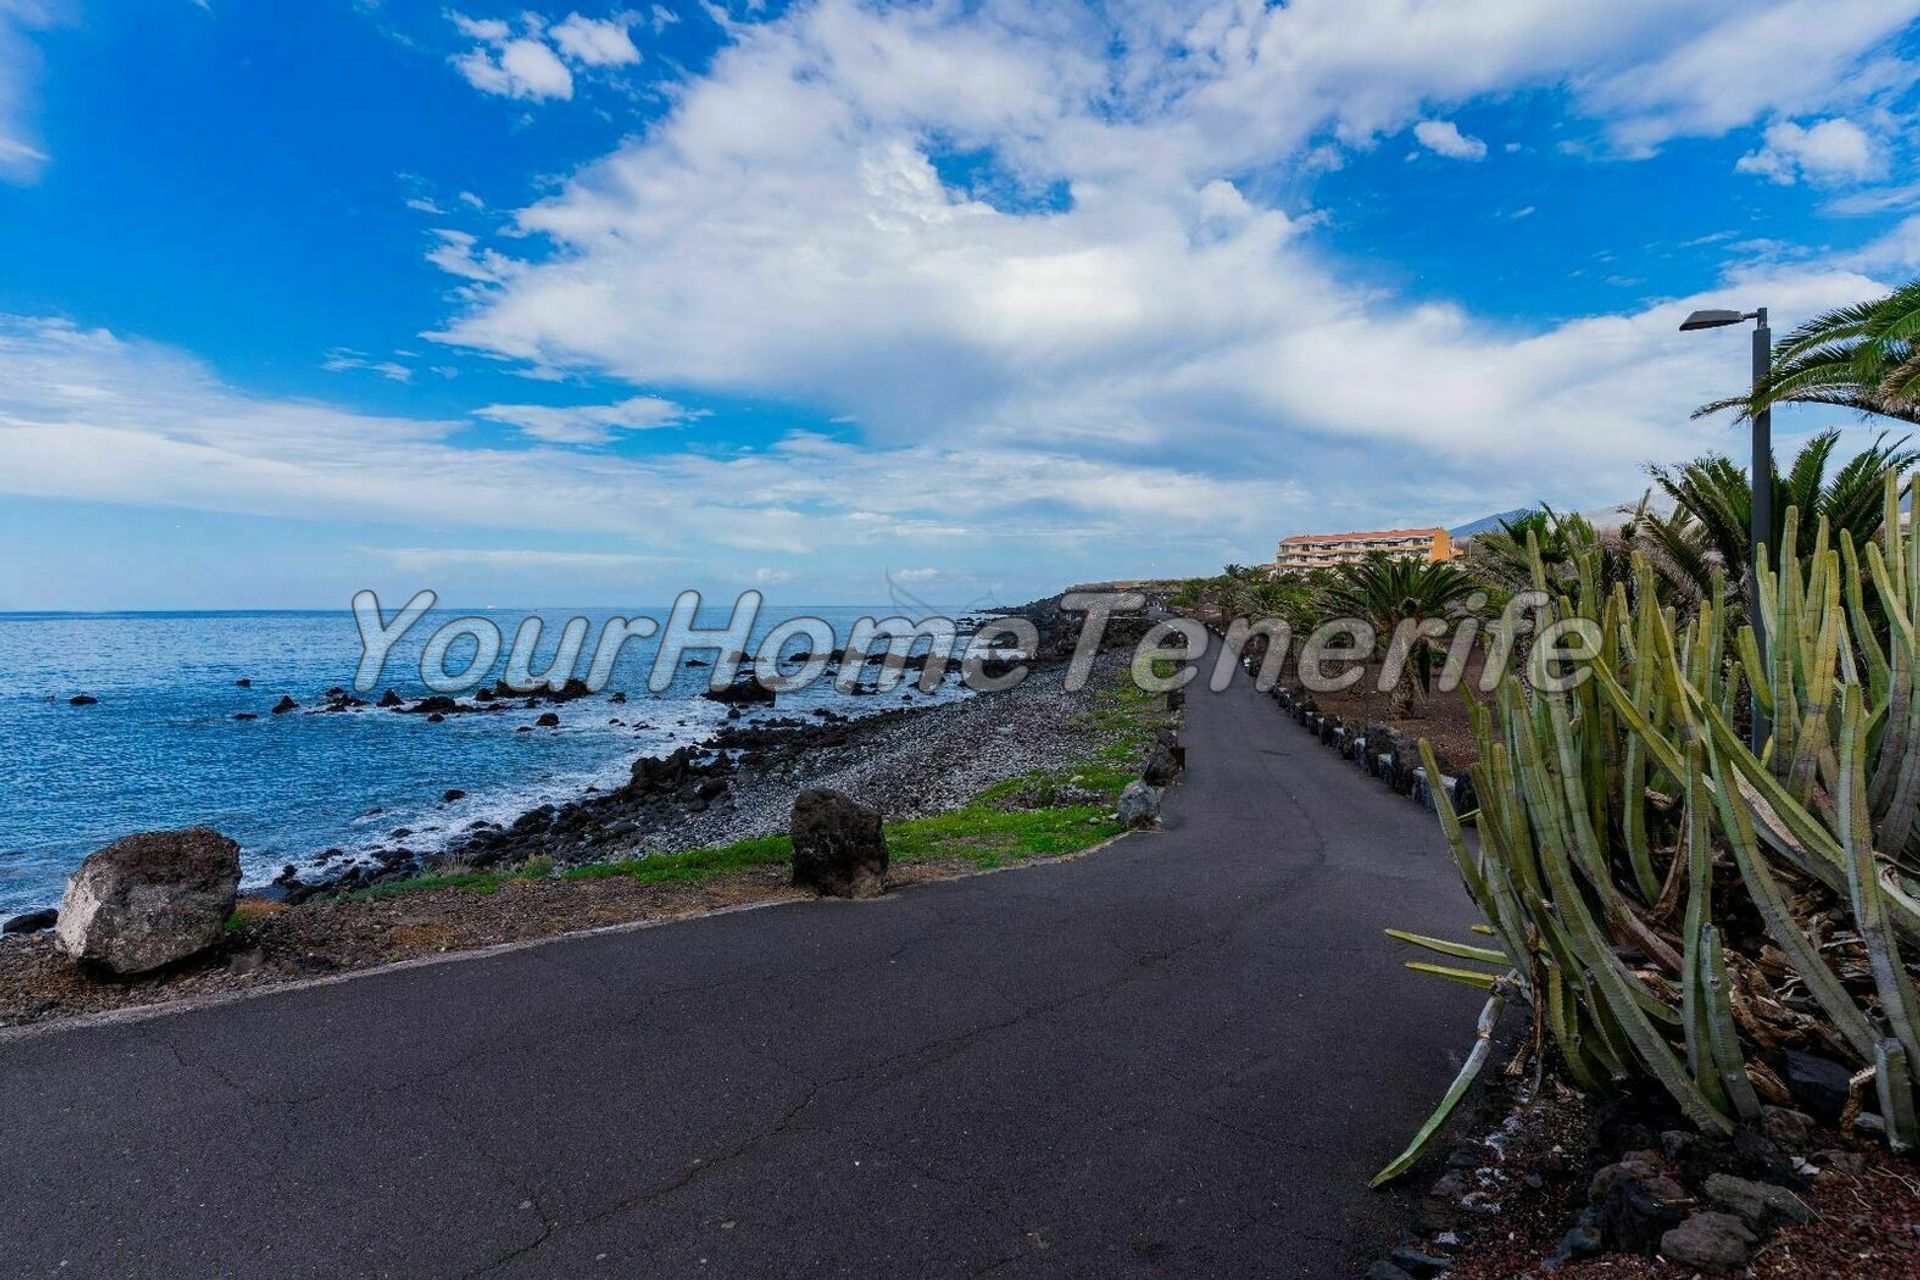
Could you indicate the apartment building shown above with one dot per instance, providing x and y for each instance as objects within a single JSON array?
[{"x": 1324, "y": 550}]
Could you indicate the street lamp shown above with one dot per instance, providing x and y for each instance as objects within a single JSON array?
[{"x": 1760, "y": 518}]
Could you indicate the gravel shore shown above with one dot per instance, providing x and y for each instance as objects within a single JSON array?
[{"x": 911, "y": 762}]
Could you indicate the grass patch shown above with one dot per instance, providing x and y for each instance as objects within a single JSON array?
[
  {"x": 693, "y": 864},
  {"x": 990, "y": 837}
]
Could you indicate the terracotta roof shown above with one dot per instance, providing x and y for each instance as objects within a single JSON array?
[{"x": 1370, "y": 535}]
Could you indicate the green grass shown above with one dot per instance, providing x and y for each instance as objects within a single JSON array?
[
  {"x": 692, "y": 865},
  {"x": 991, "y": 837},
  {"x": 1014, "y": 821}
]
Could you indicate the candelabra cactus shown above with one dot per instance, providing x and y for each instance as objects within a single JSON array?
[{"x": 1671, "y": 905}]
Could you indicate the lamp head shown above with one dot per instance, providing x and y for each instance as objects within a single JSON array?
[{"x": 1710, "y": 320}]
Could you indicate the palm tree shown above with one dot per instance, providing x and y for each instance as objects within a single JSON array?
[
  {"x": 1863, "y": 357},
  {"x": 1385, "y": 591},
  {"x": 1713, "y": 492},
  {"x": 1687, "y": 569}
]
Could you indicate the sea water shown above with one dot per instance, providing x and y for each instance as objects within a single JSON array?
[{"x": 162, "y": 748}]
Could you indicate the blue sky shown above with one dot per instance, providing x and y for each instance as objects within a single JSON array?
[{"x": 586, "y": 303}]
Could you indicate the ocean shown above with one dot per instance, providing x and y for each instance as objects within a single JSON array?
[{"x": 162, "y": 749}]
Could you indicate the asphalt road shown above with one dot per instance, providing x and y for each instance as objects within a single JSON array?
[{"x": 1181, "y": 1055}]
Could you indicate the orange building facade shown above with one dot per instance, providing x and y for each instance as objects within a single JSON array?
[{"x": 1326, "y": 550}]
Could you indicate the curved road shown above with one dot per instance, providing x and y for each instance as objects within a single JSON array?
[{"x": 1181, "y": 1055}]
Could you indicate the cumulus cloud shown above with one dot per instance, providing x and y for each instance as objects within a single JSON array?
[
  {"x": 1834, "y": 150},
  {"x": 590, "y": 424},
  {"x": 1443, "y": 137},
  {"x": 512, "y": 67},
  {"x": 785, "y": 231},
  {"x": 537, "y": 63}
]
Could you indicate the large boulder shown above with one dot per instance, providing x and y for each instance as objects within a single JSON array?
[
  {"x": 1139, "y": 805},
  {"x": 150, "y": 899},
  {"x": 839, "y": 848}
]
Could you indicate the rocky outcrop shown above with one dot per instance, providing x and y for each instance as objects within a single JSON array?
[
  {"x": 1160, "y": 767},
  {"x": 31, "y": 921},
  {"x": 747, "y": 692},
  {"x": 150, "y": 899},
  {"x": 285, "y": 705},
  {"x": 839, "y": 846},
  {"x": 83, "y": 700}
]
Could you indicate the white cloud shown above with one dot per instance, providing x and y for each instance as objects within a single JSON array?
[
  {"x": 590, "y": 424},
  {"x": 1874, "y": 200},
  {"x": 22, "y": 158},
  {"x": 595, "y": 43},
  {"x": 457, "y": 253},
  {"x": 1897, "y": 252},
  {"x": 539, "y": 63},
  {"x": 523, "y": 68},
  {"x": 428, "y": 560},
  {"x": 1827, "y": 151},
  {"x": 1736, "y": 63},
  {"x": 346, "y": 359},
  {"x": 1443, "y": 137},
  {"x": 88, "y": 415}
]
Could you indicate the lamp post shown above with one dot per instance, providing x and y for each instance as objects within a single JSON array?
[{"x": 1760, "y": 516}]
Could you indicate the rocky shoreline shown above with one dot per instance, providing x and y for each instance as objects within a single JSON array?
[{"x": 740, "y": 782}]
